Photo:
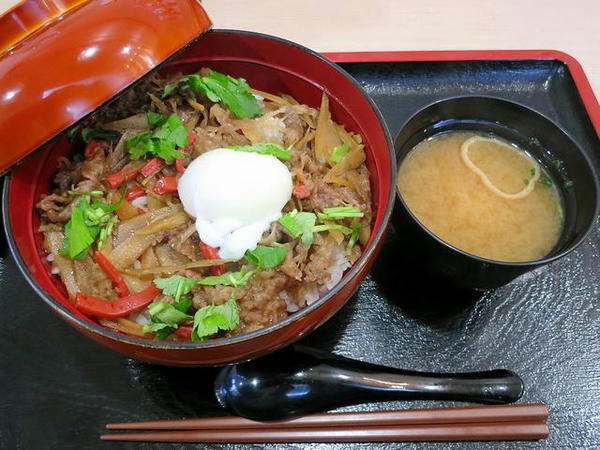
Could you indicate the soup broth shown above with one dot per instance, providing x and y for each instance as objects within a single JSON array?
[{"x": 482, "y": 195}]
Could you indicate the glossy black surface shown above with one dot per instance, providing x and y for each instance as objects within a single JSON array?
[
  {"x": 59, "y": 388},
  {"x": 560, "y": 156},
  {"x": 318, "y": 381}
]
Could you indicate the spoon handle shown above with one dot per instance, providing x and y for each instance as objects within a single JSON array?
[
  {"x": 492, "y": 386},
  {"x": 311, "y": 380}
]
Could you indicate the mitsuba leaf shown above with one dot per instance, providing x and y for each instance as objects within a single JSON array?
[
  {"x": 265, "y": 148},
  {"x": 229, "y": 279},
  {"x": 87, "y": 221},
  {"x": 218, "y": 87},
  {"x": 175, "y": 285},
  {"x": 213, "y": 318},
  {"x": 87, "y": 134},
  {"x": 299, "y": 223},
  {"x": 265, "y": 257},
  {"x": 163, "y": 141}
]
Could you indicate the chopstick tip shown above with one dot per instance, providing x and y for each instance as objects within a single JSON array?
[{"x": 120, "y": 426}]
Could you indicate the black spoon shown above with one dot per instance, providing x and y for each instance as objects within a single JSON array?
[{"x": 307, "y": 380}]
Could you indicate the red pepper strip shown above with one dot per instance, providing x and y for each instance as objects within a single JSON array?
[
  {"x": 165, "y": 185},
  {"x": 191, "y": 137},
  {"x": 118, "y": 178},
  {"x": 91, "y": 147},
  {"x": 300, "y": 191},
  {"x": 141, "y": 211},
  {"x": 112, "y": 273},
  {"x": 152, "y": 166},
  {"x": 179, "y": 162},
  {"x": 99, "y": 307},
  {"x": 184, "y": 332},
  {"x": 134, "y": 192},
  {"x": 212, "y": 253},
  {"x": 179, "y": 166}
]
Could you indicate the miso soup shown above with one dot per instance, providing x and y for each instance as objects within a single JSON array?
[{"x": 482, "y": 195}]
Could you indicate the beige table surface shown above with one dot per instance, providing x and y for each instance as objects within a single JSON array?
[{"x": 572, "y": 26}]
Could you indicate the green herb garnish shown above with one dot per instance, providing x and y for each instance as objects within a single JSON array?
[
  {"x": 229, "y": 279},
  {"x": 569, "y": 184},
  {"x": 339, "y": 212},
  {"x": 72, "y": 133},
  {"x": 161, "y": 330},
  {"x": 264, "y": 149},
  {"x": 90, "y": 193},
  {"x": 535, "y": 141},
  {"x": 78, "y": 236},
  {"x": 356, "y": 228},
  {"x": 170, "y": 87},
  {"x": 210, "y": 319},
  {"x": 339, "y": 152},
  {"x": 167, "y": 313},
  {"x": 88, "y": 222},
  {"x": 557, "y": 163},
  {"x": 265, "y": 257},
  {"x": 233, "y": 92},
  {"x": 106, "y": 231},
  {"x": 526, "y": 181},
  {"x": 332, "y": 226},
  {"x": 175, "y": 285},
  {"x": 546, "y": 181},
  {"x": 303, "y": 223},
  {"x": 183, "y": 305},
  {"x": 161, "y": 142},
  {"x": 178, "y": 286},
  {"x": 155, "y": 119},
  {"x": 87, "y": 134},
  {"x": 192, "y": 81},
  {"x": 165, "y": 318},
  {"x": 532, "y": 172},
  {"x": 299, "y": 223}
]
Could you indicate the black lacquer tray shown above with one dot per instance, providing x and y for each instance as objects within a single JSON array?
[{"x": 58, "y": 389}]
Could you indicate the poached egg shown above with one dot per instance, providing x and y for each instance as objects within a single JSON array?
[{"x": 234, "y": 196}]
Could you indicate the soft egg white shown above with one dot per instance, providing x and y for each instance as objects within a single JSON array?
[{"x": 234, "y": 197}]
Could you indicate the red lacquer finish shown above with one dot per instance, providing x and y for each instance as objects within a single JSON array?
[
  {"x": 268, "y": 64},
  {"x": 27, "y": 17},
  {"x": 72, "y": 56}
]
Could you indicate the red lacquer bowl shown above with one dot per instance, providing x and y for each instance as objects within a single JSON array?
[{"x": 269, "y": 64}]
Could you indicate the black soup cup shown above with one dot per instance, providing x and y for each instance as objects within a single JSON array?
[{"x": 555, "y": 150}]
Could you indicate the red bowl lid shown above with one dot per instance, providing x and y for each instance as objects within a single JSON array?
[{"x": 62, "y": 59}]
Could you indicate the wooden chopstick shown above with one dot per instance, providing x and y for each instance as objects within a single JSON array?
[
  {"x": 407, "y": 433},
  {"x": 537, "y": 412},
  {"x": 476, "y": 423}
]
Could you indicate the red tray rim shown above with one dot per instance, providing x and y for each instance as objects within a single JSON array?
[{"x": 582, "y": 83}]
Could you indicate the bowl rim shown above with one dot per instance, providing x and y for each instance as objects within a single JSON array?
[
  {"x": 364, "y": 259},
  {"x": 479, "y": 259}
]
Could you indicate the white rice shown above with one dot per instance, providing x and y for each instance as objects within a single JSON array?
[
  {"x": 272, "y": 130},
  {"x": 142, "y": 318},
  {"x": 337, "y": 269},
  {"x": 291, "y": 306},
  {"x": 312, "y": 293},
  {"x": 140, "y": 202}
]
